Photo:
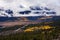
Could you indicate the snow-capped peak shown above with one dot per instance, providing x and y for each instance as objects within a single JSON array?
[{"x": 22, "y": 5}]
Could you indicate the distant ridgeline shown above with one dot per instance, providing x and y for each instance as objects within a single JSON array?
[{"x": 33, "y": 11}]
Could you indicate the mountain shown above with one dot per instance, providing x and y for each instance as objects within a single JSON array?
[{"x": 32, "y": 11}]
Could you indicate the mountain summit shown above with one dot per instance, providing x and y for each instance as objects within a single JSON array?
[{"x": 32, "y": 11}]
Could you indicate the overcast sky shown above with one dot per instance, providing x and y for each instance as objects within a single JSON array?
[{"x": 15, "y": 4}]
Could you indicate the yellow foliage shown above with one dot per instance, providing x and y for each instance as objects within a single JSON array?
[
  {"x": 36, "y": 28},
  {"x": 46, "y": 27}
]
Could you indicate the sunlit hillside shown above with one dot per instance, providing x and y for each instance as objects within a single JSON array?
[{"x": 45, "y": 30}]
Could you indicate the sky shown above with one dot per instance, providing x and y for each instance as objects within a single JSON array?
[{"x": 15, "y": 4}]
